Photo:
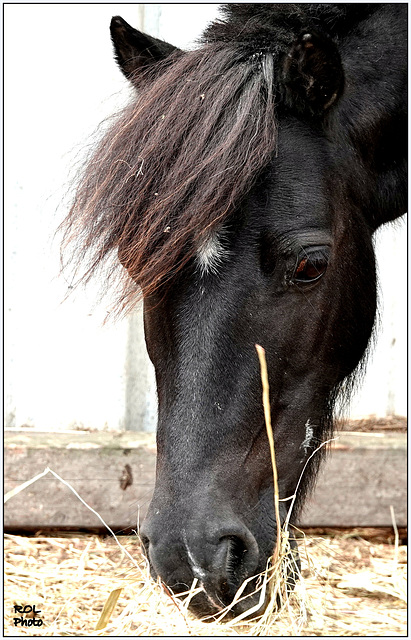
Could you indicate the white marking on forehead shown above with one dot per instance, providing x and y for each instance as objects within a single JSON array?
[
  {"x": 309, "y": 433},
  {"x": 211, "y": 253}
]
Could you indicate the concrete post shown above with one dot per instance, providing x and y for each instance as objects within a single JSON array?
[{"x": 140, "y": 391}]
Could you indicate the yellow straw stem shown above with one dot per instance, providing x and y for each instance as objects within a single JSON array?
[
  {"x": 108, "y": 609},
  {"x": 267, "y": 416}
]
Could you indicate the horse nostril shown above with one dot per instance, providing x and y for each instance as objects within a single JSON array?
[{"x": 236, "y": 560}]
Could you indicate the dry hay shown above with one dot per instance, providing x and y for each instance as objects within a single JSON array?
[{"x": 350, "y": 586}]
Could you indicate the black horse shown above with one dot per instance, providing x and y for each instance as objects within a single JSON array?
[{"x": 238, "y": 193}]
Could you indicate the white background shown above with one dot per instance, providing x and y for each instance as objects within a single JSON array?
[{"x": 63, "y": 368}]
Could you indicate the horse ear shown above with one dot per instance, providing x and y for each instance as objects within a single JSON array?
[
  {"x": 312, "y": 74},
  {"x": 135, "y": 51}
]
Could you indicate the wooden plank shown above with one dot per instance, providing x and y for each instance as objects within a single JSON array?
[
  {"x": 114, "y": 473},
  {"x": 364, "y": 474}
]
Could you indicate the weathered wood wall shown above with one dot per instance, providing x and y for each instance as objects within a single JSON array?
[{"x": 363, "y": 475}]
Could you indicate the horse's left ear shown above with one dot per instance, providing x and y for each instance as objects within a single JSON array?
[
  {"x": 312, "y": 74},
  {"x": 135, "y": 51}
]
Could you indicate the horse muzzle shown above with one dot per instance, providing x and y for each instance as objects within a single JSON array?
[{"x": 221, "y": 557}]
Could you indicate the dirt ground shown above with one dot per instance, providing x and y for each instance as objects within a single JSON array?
[{"x": 353, "y": 584}]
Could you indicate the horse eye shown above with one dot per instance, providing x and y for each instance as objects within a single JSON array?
[{"x": 310, "y": 267}]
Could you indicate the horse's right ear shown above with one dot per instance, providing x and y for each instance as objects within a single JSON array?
[
  {"x": 135, "y": 51},
  {"x": 312, "y": 74}
]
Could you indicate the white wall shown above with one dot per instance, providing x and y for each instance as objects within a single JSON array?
[
  {"x": 384, "y": 391},
  {"x": 62, "y": 367},
  {"x": 60, "y": 82}
]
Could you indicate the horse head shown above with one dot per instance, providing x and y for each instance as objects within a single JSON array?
[{"x": 240, "y": 191}]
